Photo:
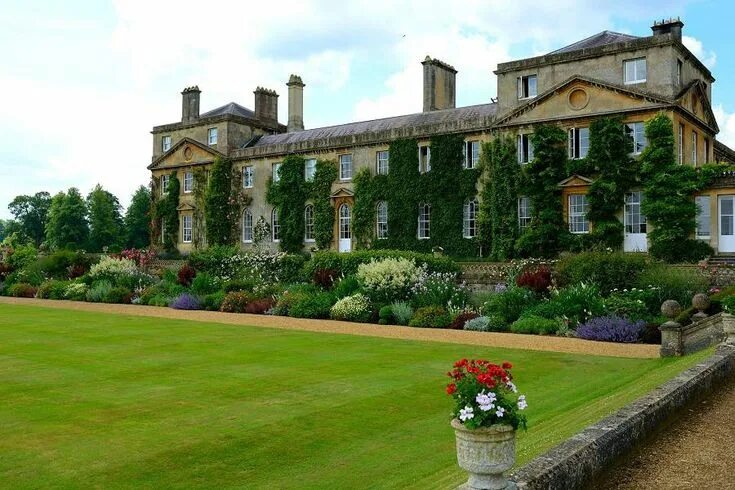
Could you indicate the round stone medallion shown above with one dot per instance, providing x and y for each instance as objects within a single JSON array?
[
  {"x": 578, "y": 98},
  {"x": 187, "y": 153}
]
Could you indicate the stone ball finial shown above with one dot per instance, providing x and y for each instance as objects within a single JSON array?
[
  {"x": 700, "y": 301},
  {"x": 671, "y": 308}
]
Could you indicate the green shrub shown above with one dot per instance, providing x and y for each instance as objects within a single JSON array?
[
  {"x": 385, "y": 315},
  {"x": 670, "y": 282},
  {"x": 76, "y": 291},
  {"x": 575, "y": 303},
  {"x": 728, "y": 304},
  {"x": 491, "y": 323},
  {"x": 388, "y": 279},
  {"x": 99, "y": 291},
  {"x": 317, "y": 305},
  {"x": 293, "y": 294},
  {"x": 22, "y": 290},
  {"x": 52, "y": 289},
  {"x": 159, "y": 300},
  {"x": 535, "y": 325},
  {"x": 291, "y": 268},
  {"x": 22, "y": 257},
  {"x": 204, "y": 283},
  {"x": 440, "y": 289},
  {"x": 608, "y": 270},
  {"x": 509, "y": 304},
  {"x": 347, "y": 263},
  {"x": 346, "y": 286},
  {"x": 213, "y": 301},
  {"x": 431, "y": 317},
  {"x": 247, "y": 285},
  {"x": 62, "y": 263},
  {"x": 355, "y": 308},
  {"x": 631, "y": 304},
  {"x": 235, "y": 302},
  {"x": 118, "y": 295},
  {"x": 213, "y": 260},
  {"x": 402, "y": 312}
]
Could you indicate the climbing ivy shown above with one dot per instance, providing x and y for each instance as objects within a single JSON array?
[
  {"x": 320, "y": 192},
  {"x": 200, "y": 192},
  {"x": 166, "y": 209},
  {"x": 224, "y": 203}
]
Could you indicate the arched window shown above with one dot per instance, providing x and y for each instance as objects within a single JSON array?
[
  {"x": 469, "y": 219},
  {"x": 424, "y": 221},
  {"x": 309, "y": 223},
  {"x": 345, "y": 216},
  {"x": 382, "y": 220},
  {"x": 247, "y": 226},
  {"x": 275, "y": 225}
]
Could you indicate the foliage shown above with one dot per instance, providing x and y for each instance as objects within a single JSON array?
[
  {"x": 608, "y": 270},
  {"x": 385, "y": 315},
  {"x": 198, "y": 225},
  {"x": 402, "y": 312},
  {"x": 509, "y": 304},
  {"x": 213, "y": 301},
  {"x": 223, "y": 203},
  {"x": 22, "y": 290},
  {"x": 611, "y": 329},
  {"x": 668, "y": 282},
  {"x": 62, "y": 264},
  {"x": 574, "y": 304},
  {"x": 204, "y": 283},
  {"x": 485, "y": 395},
  {"x": 355, "y": 308},
  {"x": 388, "y": 279},
  {"x": 166, "y": 213},
  {"x": 492, "y": 323},
  {"x": 141, "y": 257},
  {"x": 431, "y": 317},
  {"x": 259, "y": 306},
  {"x": 186, "y": 275},
  {"x": 186, "y": 301},
  {"x": 228, "y": 263},
  {"x": 235, "y": 302},
  {"x": 52, "y": 289},
  {"x": 321, "y": 189},
  {"x": 118, "y": 295},
  {"x": 458, "y": 322},
  {"x": 632, "y": 304},
  {"x": 31, "y": 214},
  {"x": 76, "y": 291},
  {"x": 324, "y": 278},
  {"x": 536, "y": 279},
  {"x": 316, "y": 305},
  {"x": 347, "y": 263},
  {"x": 728, "y": 305},
  {"x": 99, "y": 291},
  {"x": 137, "y": 219},
  {"x": 67, "y": 225},
  {"x": 535, "y": 325},
  {"x": 293, "y": 294},
  {"x": 247, "y": 285},
  {"x": 439, "y": 289},
  {"x": 346, "y": 286},
  {"x": 105, "y": 220},
  {"x": 117, "y": 271}
]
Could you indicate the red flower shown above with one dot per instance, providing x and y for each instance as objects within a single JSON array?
[
  {"x": 507, "y": 365},
  {"x": 451, "y": 388}
]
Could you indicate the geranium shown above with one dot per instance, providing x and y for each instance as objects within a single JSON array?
[{"x": 485, "y": 395}]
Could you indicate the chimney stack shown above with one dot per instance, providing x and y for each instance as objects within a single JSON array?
[
  {"x": 190, "y": 104},
  {"x": 439, "y": 85},
  {"x": 668, "y": 26},
  {"x": 295, "y": 104},
  {"x": 266, "y": 105}
]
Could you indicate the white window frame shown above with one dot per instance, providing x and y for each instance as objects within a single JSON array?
[
  {"x": 469, "y": 218},
  {"x": 188, "y": 182},
  {"x": 695, "y": 138},
  {"x": 525, "y": 154},
  {"x": 704, "y": 216},
  {"x": 471, "y": 154},
  {"x": 382, "y": 162},
  {"x": 309, "y": 169},
  {"x": 681, "y": 144},
  {"x": 578, "y": 222},
  {"x": 309, "y": 223},
  {"x": 381, "y": 220},
  {"x": 247, "y": 226},
  {"x": 635, "y": 63},
  {"x": 524, "y": 212},
  {"x": 579, "y": 143},
  {"x": 248, "y": 176},
  {"x": 633, "y": 207},
  {"x": 187, "y": 227},
  {"x": 165, "y": 143},
  {"x": 275, "y": 226},
  {"x": 212, "y": 136},
  {"x": 424, "y": 159},
  {"x": 527, "y": 89},
  {"x": 164, "y": 184},
  {"x": 639, "y": 137},
  {"x": 276, "y": 171},
  {"x": 345, "y": 166},
  {"x": 424, "y": 221},
  {"x": 345, "y": 222}
]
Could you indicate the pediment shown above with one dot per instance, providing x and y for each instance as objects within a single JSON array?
[
  {"x": 342, "y": 192},
  {"x": 185, "y": 206},
  {"x": 581, "y": 97},
  {"x": 575, "y": 181},
  {"x": 184, "y": 153},
  {"x": 694, "y": 99}
]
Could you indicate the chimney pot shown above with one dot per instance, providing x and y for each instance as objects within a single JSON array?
[
  {"x": 668, "y": 26},
  {"x": 190, "y": 103},
  {"x": 295, "y": 103},
  {"x": 440, "y": 88},
  {"x": 266, "y": 105}
]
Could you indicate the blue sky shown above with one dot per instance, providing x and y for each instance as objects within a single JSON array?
[{"x": 83, "y": 82}]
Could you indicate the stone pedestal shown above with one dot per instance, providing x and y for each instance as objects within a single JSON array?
[
  {"x": 671, "y": 341},
  {"x": 728, "y": 327},
  {"x": 485, "y": 453}
]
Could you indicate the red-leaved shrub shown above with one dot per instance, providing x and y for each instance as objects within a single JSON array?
[
  {"x": 260, "y": 306},
  {"x": 22, "y": 290},
  {"x": 77, "y": 270},
  {"x": 461, "y": 319},
  {"x": 235, "y": 302},
  {"x": 186, "y": 275},
  {"x": 537, "y": 280},
  {"x": 324, "y": 278}
]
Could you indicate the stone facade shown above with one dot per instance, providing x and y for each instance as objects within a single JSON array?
[{"x": 569, "y": 87}]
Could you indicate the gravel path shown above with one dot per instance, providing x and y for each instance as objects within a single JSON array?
[
  {"x": 693, "y": 451},
  {"x": 505, "y": 340}
]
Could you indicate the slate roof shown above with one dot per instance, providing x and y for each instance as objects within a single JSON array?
[
  {"x": 233, "y": 108},
  {"x": 479, "y": 112},
  {"x": 600, "y": 39}
]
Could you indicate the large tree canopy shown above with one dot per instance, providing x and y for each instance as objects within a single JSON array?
[
  {"x": 137, "y": 219},
  {"x": 67, "y": 225},
  {"x": 105, "y": 220},
  {"x": 31, "y": 214}
]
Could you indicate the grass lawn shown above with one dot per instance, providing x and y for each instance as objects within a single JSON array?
[{"x": 92, "y": 400}]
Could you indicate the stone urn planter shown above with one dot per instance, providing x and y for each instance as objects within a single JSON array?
[
  {"x": 485, "y": 453},
  {"x": 728, "y": 327}
]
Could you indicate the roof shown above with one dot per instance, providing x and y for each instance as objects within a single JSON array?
[
  {"x": 232, "y": 108},
  {"x": 386, "y": 124},
  {"x": 600, "y": 39},
  {"x": 725, "y": 152}
]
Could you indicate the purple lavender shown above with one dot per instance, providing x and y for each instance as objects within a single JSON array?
[
  {"x": 611, "y": 329},
  {"x": 186, "y": 301}
]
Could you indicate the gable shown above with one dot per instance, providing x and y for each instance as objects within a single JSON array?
[
  {"x": 575, "y": 181},
  {"x": 694, "y": 99},
  {"x": 580, "y": 97},
  {"x": 186, "y": 152}
]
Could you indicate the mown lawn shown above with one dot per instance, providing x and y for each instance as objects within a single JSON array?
[{"x": 91, "y": 400}]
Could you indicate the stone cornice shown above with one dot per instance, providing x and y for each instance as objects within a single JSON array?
[{"x": 207, "y": 121}]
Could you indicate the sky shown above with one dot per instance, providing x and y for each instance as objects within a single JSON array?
[{"x": 83, "y": 82}]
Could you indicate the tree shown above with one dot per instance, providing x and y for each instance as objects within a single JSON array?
[
  {"x": 67, "y": 225},
  {"x": 105, "y": 220},
  {"x": 2, "y": 229},
  {"x": 31, "y": 212},
  {"x": 137, "y": 219}
]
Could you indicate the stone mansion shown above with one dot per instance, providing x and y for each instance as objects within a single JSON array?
[{"x": 606, "y": 74}]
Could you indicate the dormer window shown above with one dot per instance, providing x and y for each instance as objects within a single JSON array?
[
  {"x": 634, "y": 71},
  {"x": 212, "y": 136},
  {"x": 527, "y": 87},
  {"x": 165, "y": 143}
]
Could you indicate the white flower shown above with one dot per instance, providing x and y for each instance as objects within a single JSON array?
[
  {"x": 522, "y": 402},
  {"x": 512, "y": 386},
  {"x": 500, "y": 412},
  {"x": 466, "y": 413},
  {"x": 486, "y": 401}
]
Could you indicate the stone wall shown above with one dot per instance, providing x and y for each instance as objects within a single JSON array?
[{"x": 678, "y": 340}]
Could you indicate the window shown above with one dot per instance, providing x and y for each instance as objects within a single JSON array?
[
  {"x": 424, "y": 159},
  {"x": 248, "y": 176},
  {"x": 681, "y": 144},
  {"x": 164, "y": 184},
  {"x": 703, "y": 217},
  {"x": 345, "y": 167},
  {"x": 679, "y": 66},
  {"x": 578, "y": 222},
  {"x": 345, "y": 217},
  {"x": 247, "y": 226},
  {"x": 212, "y": 136},
  {"x": 527, "y": 87},
  {"x": 309, "y": 223},
  {"x": 275, "y": 226},
  {"x": 525, "y": 148},
  {"x": 309, "y": 169},
  {"x": 637, "y": 131},
  {"x": 382, "y": 221},
  {"x": 579, "y": 143},
  {"x": 635, "y": 70},
  {"x": 706, "y": 150},
  {"x": 188, "y": 182},
  {"x": 635, "y": 221},
  {"x": 186, "y": 232},
  {"x": 694, "y": 148},
  {"x": 469, "y": 219},
  {"x": 471, "y": 154},
  {"x": 524, "y": 212},
  {"x": 276, "y": 172},
  {"x": 381, "y": 162},
  {"x": 165, "y": 143},
  {"x": 424, "y": 231}
]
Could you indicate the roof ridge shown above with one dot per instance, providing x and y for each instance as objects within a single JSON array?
[{"x": 581, "y": 41}]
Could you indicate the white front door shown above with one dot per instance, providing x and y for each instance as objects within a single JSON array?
[
  {"x": 345, "y": 229},
  {"x": 726, "y": 211},
  {"x": 635, "y": 238}
]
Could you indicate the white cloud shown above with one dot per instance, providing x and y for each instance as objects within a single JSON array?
[
  {"x": 726, "y": 122},
  {"x": 708, "y": 58}
]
